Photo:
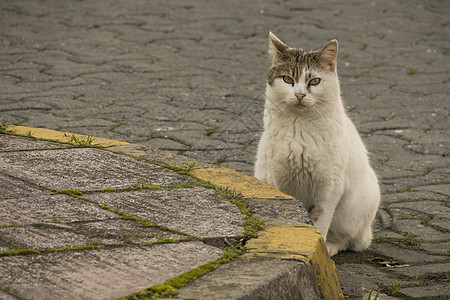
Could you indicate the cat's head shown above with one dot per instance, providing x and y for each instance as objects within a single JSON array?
[{"x": 302, "y": 80}]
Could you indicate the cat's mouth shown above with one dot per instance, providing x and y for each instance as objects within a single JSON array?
[{"x": 300, "y": 105}]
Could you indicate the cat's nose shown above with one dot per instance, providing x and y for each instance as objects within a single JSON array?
[{"x": 299, "y": 96}]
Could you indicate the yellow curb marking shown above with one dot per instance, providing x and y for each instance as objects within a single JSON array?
[
  {"x": 248, "y": 186},
  {"x": 304, "y": 243},
  {"x": 63, "y": 137}
]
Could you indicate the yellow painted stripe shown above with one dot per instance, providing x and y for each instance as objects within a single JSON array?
[
  {"x": 304, "y": 243},
  {"x": 248, "y": 186},
  {"x": 59, "y": 136}
]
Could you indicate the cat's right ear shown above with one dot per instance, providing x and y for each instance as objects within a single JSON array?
[{"x": 276, "y": 48}]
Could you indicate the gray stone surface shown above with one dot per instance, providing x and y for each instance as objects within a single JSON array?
[
  {"x": 188, "y": 77},
  {"x": 196, "y": 211},
  {"x": 8, "y": 142},
  {"x": 100, "y": 274},
  {"x": 102, "y": 244},
  {"x": 35, "y": 209},
  {"x": 438, "y": 291},
  {"x": 255, "y": 279},
  {"x": 85, "y": 169}
]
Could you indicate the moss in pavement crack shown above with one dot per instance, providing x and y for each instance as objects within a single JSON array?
[{"x": 171, "y": 287}]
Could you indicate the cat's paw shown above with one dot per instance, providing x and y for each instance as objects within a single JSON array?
[{"x": 333, "y": 248}]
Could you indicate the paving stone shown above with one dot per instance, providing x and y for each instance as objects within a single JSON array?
[
  {"x": 436, "y": 291},
  {"x": 8, "y": 142},
  {"x": 439, "y": 248},
  {"x": 441, "y": 188},
  {"x": 103, "y": 273},
  {"x": 422, "y": 232},
  {"x": 254, "y": 279},
  {"x": 442, "y": 223},
  {"x": 424, "y": 269},
  {"x": 403, "y": 255},
  {"x": 43, "y": 238},
  {"x": 46, "y": 208},
  {"x": 13, "y": 188},
  {"x": 196, "y": 211},
  {"x": 6, "y": 296},
  {"x": 434, "y": 208},
  {"x": 85, "y": 169},
  {"x": 100, "y": 233},
  {"x": 358, "y": 278}
]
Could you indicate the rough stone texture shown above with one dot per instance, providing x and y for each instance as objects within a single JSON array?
[
  {"x": 278, "y": 212},
  {"x": 438, "y": 292},
  {"x": 12, "y": 187},
  {"x": 99, "y": 233},
  {"x": 102, "y": 244},
  {"x": 35, "y": 209},
  {"x": 180, "y": 209},
  {"x": 100, "y": 274},
  {"x": 8, "y": 142},
  {"x": 85, "y": 169},
  {"x": 255, "y": 279},
  {"x": 188, "y": 77}
]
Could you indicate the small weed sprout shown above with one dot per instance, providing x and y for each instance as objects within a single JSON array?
[
  {"x": 395, "y": 287},
  {"x": 29, "y": 134},
  {"x": 188, "y": 167},
  {"x": 376, "y": 296},
  {"x": 80, "y": 142},
  {"x": 4, "y": 128},
  {"x": 142, "y": 183}
]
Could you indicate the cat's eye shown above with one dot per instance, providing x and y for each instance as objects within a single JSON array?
[
  {"x": 314, "y": 81},
  {"x": 288, "y": 80}
]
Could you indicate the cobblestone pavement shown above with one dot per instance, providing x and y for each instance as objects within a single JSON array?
[{"x": 189, "y": 77}]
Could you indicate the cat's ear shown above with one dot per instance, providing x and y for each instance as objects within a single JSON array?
[
  {"x": 276, "y": 47},
  {"x": 327, "y": 56}
]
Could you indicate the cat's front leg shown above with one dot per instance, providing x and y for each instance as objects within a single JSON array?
[{"x": 324, "y": 206}]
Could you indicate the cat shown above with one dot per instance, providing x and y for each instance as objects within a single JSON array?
[{"x": 312, "y": 151}]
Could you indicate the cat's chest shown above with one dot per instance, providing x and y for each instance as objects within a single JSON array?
[{"x": 303, "y": 148}]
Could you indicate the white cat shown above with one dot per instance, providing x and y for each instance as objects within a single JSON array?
[{"x": 311, "y": 150}]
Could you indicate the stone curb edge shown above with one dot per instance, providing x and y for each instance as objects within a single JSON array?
[{"x": 291, "y": 241}]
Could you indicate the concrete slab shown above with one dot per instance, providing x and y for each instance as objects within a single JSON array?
[
  {"x": 435, "y": 292},
  {"x": 258, "y": 278},
  {"x": 85, "y": 169},
  {"x": 413, "y": 271},
  {"x": 278, "y": 212},
  {"x": 100, "y": 274},
  {"x": 403, "y": 255},
  {"x": 155, "y": 155},
  {"x": 9, "y": 142},
  {"x": 116, "y": 232},
  {"x": 45, "y": 208},
  {"x": 12, "y": 187},
  {"x": 197, "y": 211}
]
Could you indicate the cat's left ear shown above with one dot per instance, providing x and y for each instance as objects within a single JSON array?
[{"x": 327, "y": 56}]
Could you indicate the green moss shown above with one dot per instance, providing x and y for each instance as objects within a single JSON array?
[
  {"x": 412, "y": 71},
  {"x": 90, "y": 247},
  {"x": 46, "y": 68},
  {"x": 170, "y": 288},
  {"x": 14, "y": 225},
  {"x": 170, "y": 241},
  {"x": 108, "y": 191},
  {"x": 19, "y": 252},
  {"x": 211, "y": 131},
  {"x": 129, "y": 217},
  {"x": 220, "y": 161},
  {"x": 77, "y": 96},
  {"x": 72, "y": 193}
]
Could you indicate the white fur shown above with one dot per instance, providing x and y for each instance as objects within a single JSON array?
[{"x": 314, "y": 153}]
